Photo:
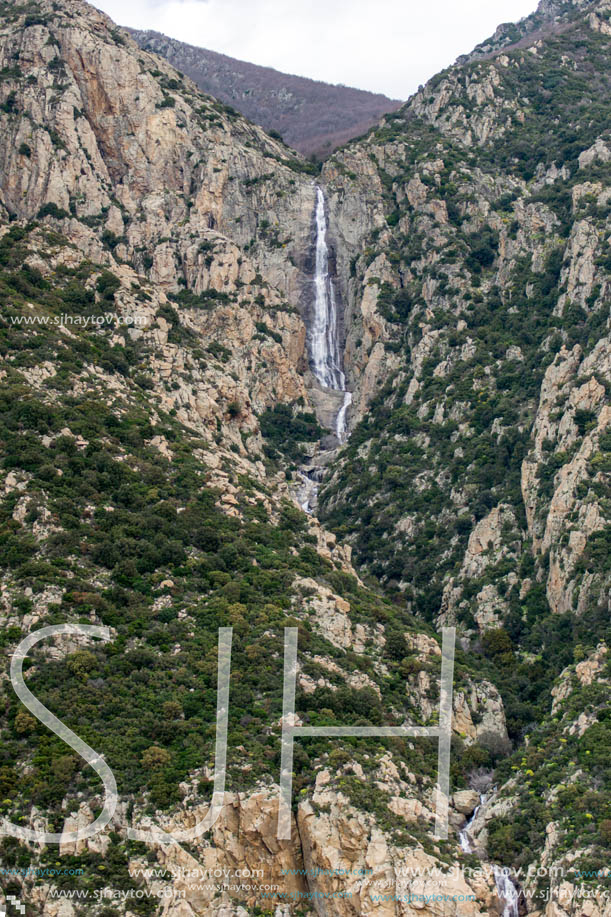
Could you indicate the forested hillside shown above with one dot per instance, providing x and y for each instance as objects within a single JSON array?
[{"x": 311, "y": 116}]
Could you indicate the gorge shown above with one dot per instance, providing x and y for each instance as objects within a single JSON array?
[
  {"x": 193, "y": 317},
  {"x": 506, "y": 888}
]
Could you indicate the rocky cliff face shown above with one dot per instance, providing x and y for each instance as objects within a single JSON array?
[
  {"x": 157, "y": 403},
  {"x": 152, "y": 254},
  {"x": 476, "y": 272},
  {"x": 136, "y": 161},
  {"x": 140, "y": 171},
  {"x": 474, "y": 226}
]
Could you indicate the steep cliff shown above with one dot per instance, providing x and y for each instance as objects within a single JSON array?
[
  {"x": 477, "y": 280},
  {"x": 155, "y": 262},
  {"x": 474, "y": 232},
  {"x": 155, "y": 400}
]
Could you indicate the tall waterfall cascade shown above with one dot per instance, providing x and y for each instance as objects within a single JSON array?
[{"x": 324, "y": 333}]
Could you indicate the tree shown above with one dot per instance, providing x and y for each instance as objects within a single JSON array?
[
  {"x": 24, "y": 723},
  {"x": 497, "y": 643},
  {"x": 155, "y": 758}
]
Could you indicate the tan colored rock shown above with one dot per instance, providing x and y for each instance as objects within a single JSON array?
[
  {"x": 465, "y": 801},
  {"x": 599, "y": 150},
  {"x": 424, "y": 645},
  {"x": 409, "y": 809},
  {"x": 588, "y": 670},
  {"x": 342, "y": 605},
  {"x": 78, "y": 821}
]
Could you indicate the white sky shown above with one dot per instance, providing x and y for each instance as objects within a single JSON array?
[{"x": 388, "y": 46}]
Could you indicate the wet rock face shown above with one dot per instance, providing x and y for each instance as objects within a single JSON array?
[{"x": 354, "y": 212}]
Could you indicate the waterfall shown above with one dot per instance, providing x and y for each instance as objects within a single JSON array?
[
  {"x": 325, "y": 362},
  {"x": 324, "y": 337},
  {"x": 504, "y": 886},
  {"x": 307, "y": 493},
  {"x": 507, "y": 891},
  {"x": 340, "y": 423},
  {"x": 463, "y": 835}
]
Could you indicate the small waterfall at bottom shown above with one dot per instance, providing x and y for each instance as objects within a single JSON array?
[
  {"x": 463, "y": 835},
  {"x": 502, "y": 875},
  {"x": 507, "y": 891},
  {"x": 307, "y": 493},
  {"x": 341, "y": 427}
]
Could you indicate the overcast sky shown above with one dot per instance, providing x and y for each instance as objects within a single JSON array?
[{"x": 388, "y": 46}]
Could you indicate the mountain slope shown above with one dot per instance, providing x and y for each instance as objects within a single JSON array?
[
  {"x": 155, "y": 400},
  {"x": 474, "y": 231},
  {"x": 313, "y": 117},
  {"x": 156, "y": 255}
]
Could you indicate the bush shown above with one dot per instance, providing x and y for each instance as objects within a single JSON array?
[
  {"x": 107, "y": 285},
  {"x": 52, "y": 210},
  {"x": 9, "y": 106},
  {"x": 484, "y": 247},
  {"x": 285, "y": 428},
  {"x": 497, "y": 642},
  {"x": 155, "y": 758}
]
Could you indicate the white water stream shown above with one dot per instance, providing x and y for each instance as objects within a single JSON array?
[
  {"x": 507, "y": 891},
  {"x": 325, "y": 355},
  {"x": 326, "y": 364},
  {"x": 307, "y": 493},
  {"x": 463, "y": 836},
  {"x": 324, "y": 342},
  {"x": 504, "y": 886}
]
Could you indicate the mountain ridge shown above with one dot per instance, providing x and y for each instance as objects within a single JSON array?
[
  {"x": 312, "y": 116},
  {"x": 549, "y": 15}
]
